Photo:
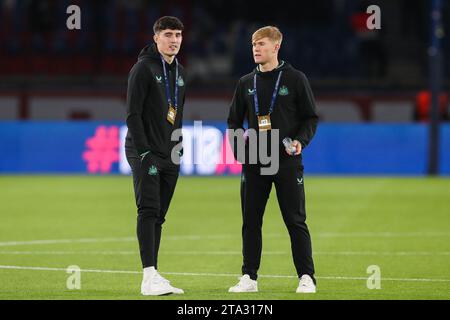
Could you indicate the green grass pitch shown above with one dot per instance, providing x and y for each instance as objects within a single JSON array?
[{"x": 401, "y": 225}]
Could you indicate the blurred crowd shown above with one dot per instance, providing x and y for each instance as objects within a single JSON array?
[{"x": 324, "y": 38}]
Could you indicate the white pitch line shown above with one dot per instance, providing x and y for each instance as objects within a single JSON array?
[
  {"x": 231, "y": 236},
  {"x": 136, "y": 252},
  {"x": 218, "y": 274},
  {"x": 330, "y": 253},
  {"x": 57, "y": 241},
  {"x": 380, "y": 234},
  {"x": 69, "y": 252},
  {"x": 65, "y": 269},
  {"x": 98, "y": 240},
  {"x": 119, "y": 239},
  {"x": 392, "y": 253}
]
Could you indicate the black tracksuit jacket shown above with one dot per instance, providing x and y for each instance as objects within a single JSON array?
[
  {"x": 147, "y": 107},
  {"x": 294, "y": 112}
]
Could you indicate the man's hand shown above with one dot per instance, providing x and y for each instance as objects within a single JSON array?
[{"x": 298, "y": 148}]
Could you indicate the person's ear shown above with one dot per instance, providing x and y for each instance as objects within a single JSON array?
[
  {"x": 155, "y": 38},
  {"x": 277, "y": 47}
]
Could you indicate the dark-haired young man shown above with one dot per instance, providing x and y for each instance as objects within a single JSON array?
[{"x": 155, "y": 99}]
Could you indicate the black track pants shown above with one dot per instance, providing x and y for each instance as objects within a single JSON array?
[
  {"x": 154, "y": 182},
  {"x": 255, "y": 190}
]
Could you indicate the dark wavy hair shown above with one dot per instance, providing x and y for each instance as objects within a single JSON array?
[{"x": 167, "y": 22}]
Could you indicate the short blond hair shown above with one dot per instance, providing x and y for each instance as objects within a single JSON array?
[{"x": 271, "y": 32}]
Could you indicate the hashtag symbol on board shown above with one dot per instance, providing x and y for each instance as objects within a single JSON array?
[{"x": 102, "y": 150}]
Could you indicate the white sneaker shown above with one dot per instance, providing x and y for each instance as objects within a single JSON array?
[
  {"x": 306, "y": 285},
  {"x": 245, "y": 284},
  {"x": 174, "y": 290},
  {"x": 156, "y": 285}
]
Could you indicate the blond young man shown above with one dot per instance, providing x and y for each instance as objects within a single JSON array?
[{"x": 275, "y": 96}]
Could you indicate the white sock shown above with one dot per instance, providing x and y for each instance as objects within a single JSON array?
[{"x": 149, "y": 272}]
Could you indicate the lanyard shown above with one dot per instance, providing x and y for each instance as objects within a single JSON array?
[
  {"x": 166, "y": 81},
  {"x": 274, "y": 94}
]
